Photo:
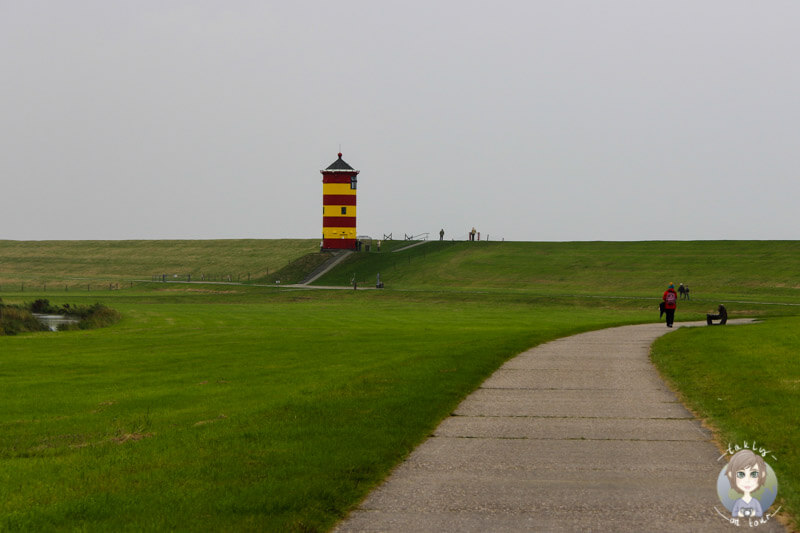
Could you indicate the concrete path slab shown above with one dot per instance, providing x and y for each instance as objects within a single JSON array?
[{"x": 579, "y": 434}]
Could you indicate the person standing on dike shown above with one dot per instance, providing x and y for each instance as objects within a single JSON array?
[{"x": 670, "y": 303}]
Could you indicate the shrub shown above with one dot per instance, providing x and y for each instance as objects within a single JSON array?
[
  {"x": 43, "y": 306},
  {"x": 99, "y": 316},
  {"x": 14, "y": 320}
]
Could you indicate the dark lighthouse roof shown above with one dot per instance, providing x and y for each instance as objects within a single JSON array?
[{"x": 339, "y": 164}]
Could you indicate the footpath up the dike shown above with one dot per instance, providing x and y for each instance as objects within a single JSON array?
[{"x": 579, "y": 434}]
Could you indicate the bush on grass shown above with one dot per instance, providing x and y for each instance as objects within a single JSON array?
[
  {"x": 16, "y": 319},
  {"x": 42, "y": 306},
  {"x": 91, "y": 317},
  {"x": 98, "y": 316}
]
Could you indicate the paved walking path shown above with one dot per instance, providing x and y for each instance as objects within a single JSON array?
[
  {"x": 577, "y": 434},
  {"x": 420, "y": 243},
  {"x": 326, "y": 267}
]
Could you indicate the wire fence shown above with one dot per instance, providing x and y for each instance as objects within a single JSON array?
[
  {"x": 63, "y": 287},
  {"x": 202, "y": 277}
]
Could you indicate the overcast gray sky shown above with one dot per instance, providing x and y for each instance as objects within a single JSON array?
[{"x": 530, "y": 120}]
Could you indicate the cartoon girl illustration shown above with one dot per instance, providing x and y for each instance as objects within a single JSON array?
[{"x": 746, "y": 473}]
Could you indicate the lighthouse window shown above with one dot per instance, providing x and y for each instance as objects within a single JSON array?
[
  {"x": 353, "y": 182},
  {"x": 344, "y": 210}
]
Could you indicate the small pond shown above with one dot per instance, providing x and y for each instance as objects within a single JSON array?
[{"x": 54, "y": 321}]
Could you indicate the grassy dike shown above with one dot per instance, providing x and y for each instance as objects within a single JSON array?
[
  {"x": 225, "y": 407},
  {"x": 76, "y": 264},
  {"x": 728, "y": 270}
]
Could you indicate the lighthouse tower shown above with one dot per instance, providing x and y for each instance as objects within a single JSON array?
[{"x": 339, "y": 206}]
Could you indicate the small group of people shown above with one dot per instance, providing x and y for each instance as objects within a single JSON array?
[
  {"x": 471, "y": 235},
  {"x": 669, "y": 302},
  {"x": 683, "y": 291}
]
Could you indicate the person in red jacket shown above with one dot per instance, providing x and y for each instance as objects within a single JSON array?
[{"x": 670, "y": 303}]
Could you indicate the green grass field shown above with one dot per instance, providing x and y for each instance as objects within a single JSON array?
[
  {"x": 745, "y": 381},
  {"x": 235, "y": 407}
]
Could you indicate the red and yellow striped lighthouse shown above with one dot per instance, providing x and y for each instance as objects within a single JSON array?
[{"x": 339, "y": 206}]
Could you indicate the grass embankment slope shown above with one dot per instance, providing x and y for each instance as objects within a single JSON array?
[
  {"x": 74, "y": 263},
  {"x": 252, "y": 408},
  {"x": 756, "y": 270}
]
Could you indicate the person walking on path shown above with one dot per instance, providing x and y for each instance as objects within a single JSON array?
[{"x": 670, "y": 298}]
